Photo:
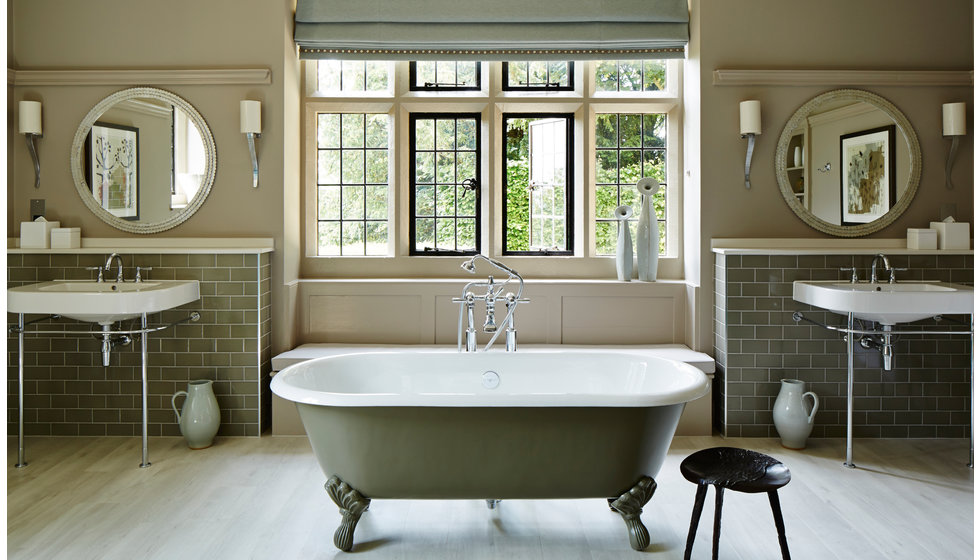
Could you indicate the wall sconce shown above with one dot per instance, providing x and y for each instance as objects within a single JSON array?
[
  {"x": 251, "y": 116},
  {"x": 750, "y": 118},
  {"x": 29, "y": 125},
  {"x": 954, "y": 124}
]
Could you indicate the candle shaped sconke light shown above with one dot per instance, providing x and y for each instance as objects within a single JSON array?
[
  {"x": 954, "y": 126},
  {"x": 251, "y": 117},
  {"x": 750, "y": 124},
  {"x": 29, "y": 124}
]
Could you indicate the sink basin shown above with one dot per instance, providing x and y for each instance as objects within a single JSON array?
[
  {"x": 887, "y": 304},
  {"x": 101, "y": 302}
]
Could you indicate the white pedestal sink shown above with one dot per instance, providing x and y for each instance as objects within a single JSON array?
[
  {"x": 885, "y": 303},
  {"x": 101, "y": 302}
]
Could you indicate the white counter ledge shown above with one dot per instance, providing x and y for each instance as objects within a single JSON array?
[
  {"x": 821, "y": 246},
  {"x": 157, "y": 245}
]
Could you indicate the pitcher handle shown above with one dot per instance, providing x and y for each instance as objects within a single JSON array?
[
  {"x": 816, "y": 405},
  {"x": 173, "y": 402}
]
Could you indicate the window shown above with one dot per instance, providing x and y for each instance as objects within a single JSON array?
[
  {"x": 431, "y": 75},
  {"x": 538, "y": 76},
  {"x": 627, "y": 147},
  {"x": 445, "y": 183},
  {"x": 398, "y": 179},
  {"x": 352, "y": 76},
  {"x": 352, "y": 184},
  {"x": 538, "y": 164},
  {"x": 630, "y": 75}
]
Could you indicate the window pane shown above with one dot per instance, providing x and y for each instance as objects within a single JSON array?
[
  {"x": 377, "y": 131},
  {"x": 377, "y": 76},
  {"x": 425, "y": 167},
  {"x": 328, "y": 131},
  {"x": 352, "y": 166},
  {"x": 353, "y": 76},
  {"x": 352, "y": 203},
  {"x": 606, "y": 75},
  {"x": 376, "y": 234},
  {"x": 466, "y": 73},
  {"x": 328, "y": 207},
  {"x": 445, "y": 233},
  {"x": 445, "y": 134},
  {"x": 605, "y": 238},
  {"x": 328, "y": 167},
  {"x": 425, "y": 200},
  {"x": 328, "y": 75},
  {"x": 352, "y": 130},
  {"x": 446, "y": 167},
  {"x": 654, "y": 75},
  {"x": 376, "y": 166},
  {"x": 630, "y": 75},
  {"x": 352, "y": 238},
  {"x": 376, "y": 202},
  {"x": 328, "y": 238},
  {"x": 517, "y": 73}
]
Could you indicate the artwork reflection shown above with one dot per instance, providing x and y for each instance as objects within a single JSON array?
[
  {"x": 867, "y": 174},
  {"x": 113, "y": 158}
]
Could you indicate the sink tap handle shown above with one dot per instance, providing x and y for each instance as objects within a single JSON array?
[
  {"x": 854, "y": 273},
  {"x": 891, "y": 277},
  {"x": 99, "y": 268},
  {"x": 139, "y": 270}
]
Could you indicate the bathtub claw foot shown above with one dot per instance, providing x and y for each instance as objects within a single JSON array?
[
  {"x": 352, "y": 504},
  {"x": 630, "y": 506}
]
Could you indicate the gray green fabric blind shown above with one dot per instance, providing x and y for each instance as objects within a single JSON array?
[{"x": 491, "y": 29}]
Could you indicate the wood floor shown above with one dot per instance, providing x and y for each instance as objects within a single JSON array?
[{"x": 261, "y": 498}]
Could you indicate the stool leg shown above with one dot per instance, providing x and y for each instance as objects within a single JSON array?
[
  {"x": 777, "y": 515},
  {"x": 719, "y": 496},
  {"x": 695, "y": 517}
]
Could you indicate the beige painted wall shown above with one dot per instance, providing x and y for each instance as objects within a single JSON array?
[
  {"x": 830, "y": 34},
  {"x": 122, "y": 34},
  {"x": 791, "y": 34}
]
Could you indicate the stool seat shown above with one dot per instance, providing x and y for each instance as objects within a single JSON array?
[{"x": 740, "y": 470}]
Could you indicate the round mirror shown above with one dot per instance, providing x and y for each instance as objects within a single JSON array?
[
  {"x": 143, "y": 160},
  {"x": 848, "y": 163}
]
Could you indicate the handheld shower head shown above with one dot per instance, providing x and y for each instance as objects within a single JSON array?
[{"x": 469, "y": 266}]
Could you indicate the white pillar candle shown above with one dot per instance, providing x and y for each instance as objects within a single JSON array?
[
  {"x": 954, "y": 119},
  {"x": 30, "y": 117},
  {"x": 750, "y": 113},
  {"x": 251, "y": 115}
]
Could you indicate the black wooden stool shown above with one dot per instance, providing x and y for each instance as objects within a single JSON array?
[{"x": 740, "y": 470}]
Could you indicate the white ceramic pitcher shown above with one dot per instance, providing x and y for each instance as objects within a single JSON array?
[
  {"x": 199, "y": 418},
  {"x": 793, "y": 423}
]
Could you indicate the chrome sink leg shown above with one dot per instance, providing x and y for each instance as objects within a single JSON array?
[
  {"x": 20, "y": 392},
  {"x": 970, "y": 464},
  {"x": 143, "y": 355},
  {"x": 848, "y": 461}
]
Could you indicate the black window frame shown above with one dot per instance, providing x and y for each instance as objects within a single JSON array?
[
  {"x": 569, "y": 183},
  {"x": 413, "y": 78},
  {"x": 505, "y": 80},
  {"x": 412, "y": 243}
]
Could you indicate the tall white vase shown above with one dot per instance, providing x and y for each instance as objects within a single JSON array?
[
  {"x": 793, "y": 422},
  {"x": 199, "y": 417},
  {"x": 624, "y": 244},
  {"x": 647, "y": 241}
]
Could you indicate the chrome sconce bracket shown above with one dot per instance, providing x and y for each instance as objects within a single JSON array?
[
  {"x": 748, "y": 157},
  {"x": 251, "y": 136},
  {"x": 32, "y": 148}
]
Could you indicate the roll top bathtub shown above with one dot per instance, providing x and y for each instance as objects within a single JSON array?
[{"x": 532, "y": 424}]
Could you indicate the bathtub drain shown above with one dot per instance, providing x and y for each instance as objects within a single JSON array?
[{"x": 490, "y": 379}]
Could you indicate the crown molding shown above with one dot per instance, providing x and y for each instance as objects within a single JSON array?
[
  {"x": 903, "y": 78},
  {"x": 202, "y": 76}
]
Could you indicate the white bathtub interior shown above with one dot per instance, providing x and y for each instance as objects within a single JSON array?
[{"x": 696, "y": 419}]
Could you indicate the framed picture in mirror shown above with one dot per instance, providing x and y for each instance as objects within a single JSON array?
[
  {"x": 867, "y": 174},
  {"x": 113, "y": 168}
]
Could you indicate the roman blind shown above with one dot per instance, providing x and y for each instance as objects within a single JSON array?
[{"x": 491, "y": 29}]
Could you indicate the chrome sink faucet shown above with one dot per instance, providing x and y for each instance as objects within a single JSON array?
[
  {"x": 119, "y": 271},
  {"x": 874, "y": 267}
]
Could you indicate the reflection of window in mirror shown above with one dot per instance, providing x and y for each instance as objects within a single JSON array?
[{"x": 190, "y": 161}]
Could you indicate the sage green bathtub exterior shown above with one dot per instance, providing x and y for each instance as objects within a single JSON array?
[{"x": 490, "y": 452}]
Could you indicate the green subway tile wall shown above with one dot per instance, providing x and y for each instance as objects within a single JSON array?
[
  {"x": 67, "y": 391},
  {"x": 757, "y": 343}
]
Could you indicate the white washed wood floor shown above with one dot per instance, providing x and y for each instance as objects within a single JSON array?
[{"x": 263, "y": 498}]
